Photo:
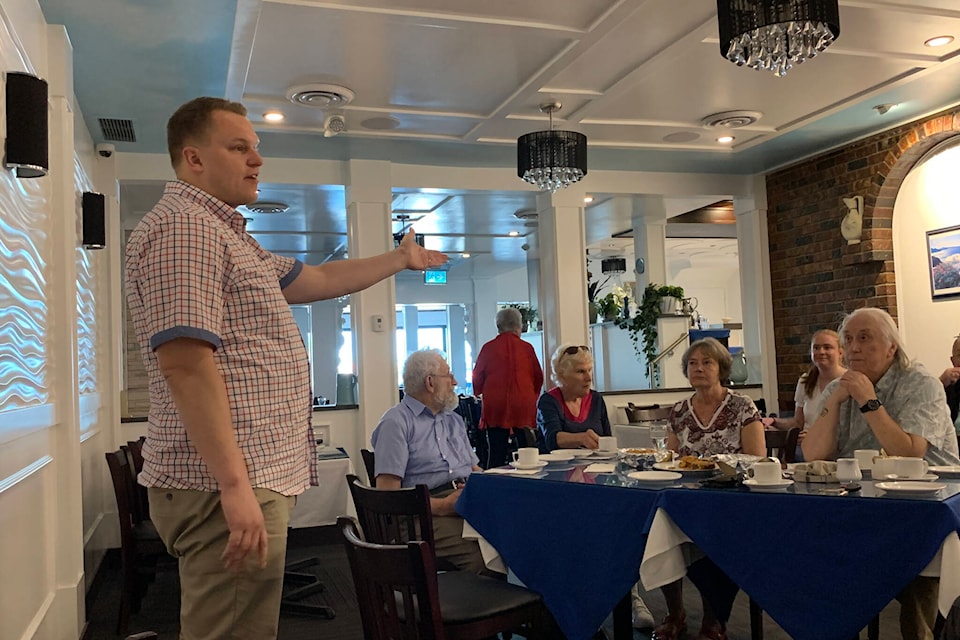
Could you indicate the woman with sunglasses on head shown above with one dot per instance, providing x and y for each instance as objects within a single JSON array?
[
  {"x": 713, "y": 420},
  {"x": 572, "y": 415}
]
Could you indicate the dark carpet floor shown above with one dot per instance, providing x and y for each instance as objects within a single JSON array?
[{"x": 160, "y": 609}]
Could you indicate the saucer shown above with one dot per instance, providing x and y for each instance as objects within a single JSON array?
[
  {"x": 656, "y": 477},
  {"x": 924, "y": 478},
  {"x": 910, "y": 488},
  {"x": 557, "y": 457},
  {"x": 772, "y": 486},
  {"x": 524, "y": 467},
  {"x": 603, "y": 455},
  {"x": 949, "y": 471}
]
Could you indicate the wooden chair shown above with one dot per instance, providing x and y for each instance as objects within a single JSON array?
[
  {"x": 140, "y": 545},
  {"x": 395, "y": 516},
  {"x": 368, "y": 463},
  {"x": 140, "y": 504},
  {"x": 401, "y": 595},
  {"x": 782, "y": 443}
]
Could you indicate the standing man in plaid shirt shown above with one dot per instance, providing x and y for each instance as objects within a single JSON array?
[{"x": 229, "y": 443}]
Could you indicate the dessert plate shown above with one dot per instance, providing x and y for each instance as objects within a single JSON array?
[
  {"x": 577, "y": 453},
  {"x": 772, "y": 486},
  {"x": 949, "y": 471},
  {"x": 910, "y": 488},
  {"x": 656, "y": 477},
  {"x": 924, "y": 478},
  {"x": 603, "y": 455},
  {"x": 672, "y": 466},
  {"x": 557, "y": 456}
]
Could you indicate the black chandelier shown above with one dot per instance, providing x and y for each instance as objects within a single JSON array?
[
  {"x": 551, "y": 159},
  {"x": 776, "y": 34}
]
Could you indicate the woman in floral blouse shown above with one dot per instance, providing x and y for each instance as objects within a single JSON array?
[{"x": 713, "y": 420}]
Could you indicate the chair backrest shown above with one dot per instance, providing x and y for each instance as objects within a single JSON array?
[
  {"x": 139, "y": 503},
  {"x": 632, "y": 436},
  {"x": 369, "y": 463},
  {"x": 393, "y": 516},
  {"x": 120, "y": 475},
  {"x": 782, "y": 443},
  {"x": 396, "y": 587},
  {"x": 648, "y": 413}
]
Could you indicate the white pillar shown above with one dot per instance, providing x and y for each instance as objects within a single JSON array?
[
  {"x": 411, "y": 326},
  {"x": 563, "y": 270},
  {"x": 368, "y": 197},
  {"x": 67, "y": 525},
  {"x": 755, "y": 290},
  {"x": 457, "y": 355},
  {"x": 649, "y": 237}
]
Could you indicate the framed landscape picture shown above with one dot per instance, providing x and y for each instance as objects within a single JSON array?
[{"x": 943, "y": 249}]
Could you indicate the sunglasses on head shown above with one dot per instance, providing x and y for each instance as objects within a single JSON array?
[{"x": 569, "y": 351}]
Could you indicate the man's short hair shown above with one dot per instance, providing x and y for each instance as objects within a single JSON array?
[
  {"x": 191, "y": 122},
  {"x": 712, "y": 348},
  {"x": 509, "y": 319},
  {"x": 418, "y": 366},
  {"x": 888, "y": 331}
]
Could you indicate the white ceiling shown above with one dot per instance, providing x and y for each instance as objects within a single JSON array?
[{"x": 463, "y": 79}]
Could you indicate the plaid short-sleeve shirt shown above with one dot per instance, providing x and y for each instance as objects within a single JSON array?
[{"x": 193, "y": 271}]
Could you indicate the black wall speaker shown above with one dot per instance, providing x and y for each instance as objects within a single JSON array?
[
  {"x": 94, "y": 220},
  {"x": 27, "y": 133}
]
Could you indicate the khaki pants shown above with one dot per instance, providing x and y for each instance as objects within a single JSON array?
[
  {"x": 214, "y": 603},
  {"x": 918, "y": 608},
  {"x": 451, "y": 545}
]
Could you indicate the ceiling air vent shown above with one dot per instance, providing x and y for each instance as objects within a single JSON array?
[
  {"x": 731, "y": 119},
  {"x": 320, "y": 95},
  {"x": 265, "y": 206},
  {"x": 117, "y": 130}
]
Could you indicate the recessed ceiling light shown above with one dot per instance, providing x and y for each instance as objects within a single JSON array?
[
  {"x": 464, "y": 255},
  {"x": 587, "y": 199},
  {"x": 725, "y": 139},
  {"x": 513, "y": 233},
  {"x": 273, "y": 116},
  {"x": 939, "y": 41}
]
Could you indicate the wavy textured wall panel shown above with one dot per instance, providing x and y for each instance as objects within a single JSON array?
[
  {"x": 90, "y": 264},
  {"x": 24, "y": 307}
]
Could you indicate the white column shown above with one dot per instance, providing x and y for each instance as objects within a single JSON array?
[
  {"x": 67, "y": 523},
  {"x": 649, "y": 237},
  {"x": 368, "y": 197},
  {"x": 411, "y": 326},
  {"x": 485, "y": 312},
  {"x": 563, "y": 270},
  {"x": 457, "y": 355},
  {"x": 755, "y": 291}
]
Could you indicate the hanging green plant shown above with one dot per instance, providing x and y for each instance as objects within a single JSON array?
[{"x": 642, "y": 327}]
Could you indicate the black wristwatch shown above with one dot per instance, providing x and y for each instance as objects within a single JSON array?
[{"x": 871, "y": 405}]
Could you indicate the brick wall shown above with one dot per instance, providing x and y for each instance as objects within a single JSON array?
[{"x": 816, "y": 277}]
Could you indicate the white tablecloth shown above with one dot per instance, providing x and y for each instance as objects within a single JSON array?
[{"x": 320, "y": 505}]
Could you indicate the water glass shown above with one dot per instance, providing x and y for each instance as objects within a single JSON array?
[{"x": 658, "y": 433}]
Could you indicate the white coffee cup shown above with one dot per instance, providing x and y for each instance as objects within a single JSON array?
[
  {"x": 766, "y": 472},
  {"x": 884, "y": 466},
  {"x": 848, "y": 470},
  {"x": 865, "y": 458},
  {"x": 911, "y": 467},
  {"x": 608, "y": 443},
  {"x": 526, "y": 456}
]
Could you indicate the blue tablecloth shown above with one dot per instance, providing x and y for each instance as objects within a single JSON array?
[{"x": 821, "y": 566}]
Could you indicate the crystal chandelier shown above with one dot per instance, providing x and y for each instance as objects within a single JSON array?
[
  {"x": 551, "y": 159},
  {"x": 776, "y": 34}
]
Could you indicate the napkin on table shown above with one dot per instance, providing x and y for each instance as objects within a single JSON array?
[
  {"x": 514, "y": 472},
  {"x": 600, "y": 467}
]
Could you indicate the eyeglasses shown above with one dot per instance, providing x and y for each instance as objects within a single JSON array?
[
  {"x": 448, "y": 374},
  {"x": 569, "y": 351}
]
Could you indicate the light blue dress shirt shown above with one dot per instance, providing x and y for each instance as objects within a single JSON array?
[
  {"x": 915, "y": 399},
  {"x": 421, "y": 448}
]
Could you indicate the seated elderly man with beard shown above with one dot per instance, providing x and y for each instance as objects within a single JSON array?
[
  {"x": 422, "y": 441},
  {"x": 885, "y": 401}
]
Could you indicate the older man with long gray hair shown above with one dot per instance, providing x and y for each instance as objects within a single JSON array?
[{"x": 885, "y": 401}]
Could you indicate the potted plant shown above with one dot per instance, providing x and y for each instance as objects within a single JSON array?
[
  {"x": 527, "y": 314},
  {"x": 642, "y": 327},
  {"x": 608, "y": 307},
  {"x": 593, "y": 287},
  {"x": 671, "y": 297}
]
